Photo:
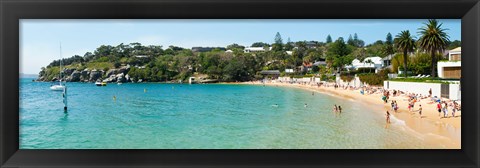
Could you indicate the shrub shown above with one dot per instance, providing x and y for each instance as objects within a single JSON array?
[
  {"x": 372, "y": 79},
  {"x": 116, "y": 64},
  {"x": 347, "y": 78}
]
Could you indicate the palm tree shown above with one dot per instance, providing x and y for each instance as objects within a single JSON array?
[
  {"x": 404, "y": 42},
  {"x": 433, "y": 39}
]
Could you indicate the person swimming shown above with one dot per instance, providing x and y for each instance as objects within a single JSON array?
[
  {"x": 340, "y": 109},
  {"x": 305, "y": 105}
]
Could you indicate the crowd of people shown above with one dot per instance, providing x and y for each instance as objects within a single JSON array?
[{"x": 413, "y": 99}]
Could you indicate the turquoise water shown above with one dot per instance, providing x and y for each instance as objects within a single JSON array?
[{"x": 210, "y": 116}]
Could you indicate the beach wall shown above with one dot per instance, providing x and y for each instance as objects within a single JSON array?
[
  {"x": 455, "y": 93},
  {"x": 355, "y": 82},
  {"x": 414, "y": 87},
  {"x": 423, "y": 88}
]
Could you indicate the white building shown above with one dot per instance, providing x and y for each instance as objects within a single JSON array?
[
  {"x": 369, "y": 62},
  {"x": 255, "y": 49},
  {"x": 453, "y": 67}
]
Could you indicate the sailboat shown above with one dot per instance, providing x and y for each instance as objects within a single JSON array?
[{"x": 58, "y": 86}]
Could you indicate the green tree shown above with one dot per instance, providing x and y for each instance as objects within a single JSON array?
[
  {"x": 404, "y": 42},
  {"x": 389, "y": 39},
  {"x": 338, "y": 54},
  {"x": 278, "y": 44},
  {"x": 388, "y": 48},
  {"x": 350, "y": 41},
  {"x": 454, "y": 44},
  {"x": 329, "y": 39},
  {"x": 235, "y": 46},
  {"x": 357, "y": 42},
  {"x": 434, "y": 40},
  {"x": 260, "y": 44},
  {"x": 288, "y": 45}
]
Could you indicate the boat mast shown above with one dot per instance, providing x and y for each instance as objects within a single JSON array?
[{"x": 61, "y": 60}]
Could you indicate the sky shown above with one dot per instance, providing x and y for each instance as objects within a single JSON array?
[{"x": 40, "y": 39}]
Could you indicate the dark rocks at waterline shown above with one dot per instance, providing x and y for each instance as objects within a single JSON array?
[
  {"x": 94, "y": 75},
  {"x": 75, "y": 77},
  {"x": 86, "y": 75},
  {"x": 121, "y": 78},
  {"x": 111, "y": 72}
]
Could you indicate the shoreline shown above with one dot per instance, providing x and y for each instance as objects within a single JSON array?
[{"x": 430, "y": 127}]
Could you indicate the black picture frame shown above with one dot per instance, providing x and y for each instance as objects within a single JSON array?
[{"x": 13, "y": 10}]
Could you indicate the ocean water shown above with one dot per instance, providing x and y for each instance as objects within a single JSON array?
[{"x": 202, "y": 116}]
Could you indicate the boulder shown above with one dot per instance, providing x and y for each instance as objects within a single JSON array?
[
  {"x": 121, "y": 78},
  {"x": 68, "y": 71},
  {"x": 75, "y": 77},
  {"x": 111, "y": 72},
  {"x": 127, "y": 78},
  {"x": 85, "y": 73},
  {"x": 123, "y": 70},
  {"x": 94, "y": 75},
  {"x": 111, "y": 78},
  {"x": 42, "y": 78}
]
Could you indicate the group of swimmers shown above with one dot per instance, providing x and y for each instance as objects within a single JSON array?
[{"x": 337, "y": 109}]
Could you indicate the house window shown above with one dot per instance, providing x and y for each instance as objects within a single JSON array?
[
  {"x": 455, "y": 57},
  {"x": 452, "y": 72}
]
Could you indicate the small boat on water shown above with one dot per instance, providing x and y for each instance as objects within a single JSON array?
[
  {"x": 57, "y": 87},
  {"x": 119, "y": 83},
  {"x": 98, "y": 83}
]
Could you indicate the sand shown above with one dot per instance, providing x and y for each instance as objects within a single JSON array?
[{"x": 429, "y": 126}]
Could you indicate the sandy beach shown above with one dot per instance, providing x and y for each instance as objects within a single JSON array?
[{"x": 430, "y": 126}]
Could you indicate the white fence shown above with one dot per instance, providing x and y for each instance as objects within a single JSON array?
[
  {"x": 355, "y": 82},
  {"x": 423, "y": 88},
  {"x": 299, "y": 80}
]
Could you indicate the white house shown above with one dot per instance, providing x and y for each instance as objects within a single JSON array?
[
  {"x": 255, "y": 49},
  {"x": 452, "y": 68},
  {"x": 369, "y": 62}
]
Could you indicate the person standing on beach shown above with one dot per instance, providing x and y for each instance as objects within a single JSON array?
[
  {"x": 439, "y": 108},
  {"x": 430, "y": 93},
  {"x": 387, "y": 117},
  {"x": 395, "y": 106},
  {"x": 420, "y": 110},
  {"x": 409, "y": 106},
  {"x": 454, "y": 109},
  {"x": 392, "y": 104},
  {"x": 445, "y": 110}
]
